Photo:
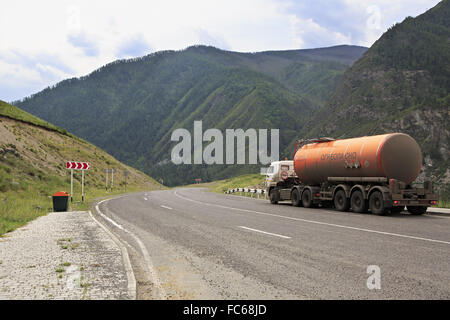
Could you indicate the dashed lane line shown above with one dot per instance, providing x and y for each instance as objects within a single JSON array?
[{"x": 265, "y": 232}]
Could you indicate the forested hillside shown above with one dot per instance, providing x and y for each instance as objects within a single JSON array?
[{"x": 131, "y": 107}]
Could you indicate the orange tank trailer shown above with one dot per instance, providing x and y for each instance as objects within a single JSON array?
[{"x": 394, "y": 156}]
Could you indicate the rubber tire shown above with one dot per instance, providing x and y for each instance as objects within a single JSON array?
[
  {"x": 307, "y": 199},
  {"x": 397, "y": 209},
  {"x": 358, "y": 203},
  {"x": 273, "y": 195},
  {"x": 416, "y": 210},
  {"x": 376, "y": 204},
  {"x": 295, "y": 198},
  {"x": 341, "y": 202}
]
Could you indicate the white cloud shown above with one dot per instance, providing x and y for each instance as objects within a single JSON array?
[
  {"x": 215, "y": 40},
  {"x": 82, "y": 41},
  {"x": 308, "y": 34},
  {"x": 134, "y": 47},
  {"x": 84, "y": 35},
  {"x": 379, "y": 15}
]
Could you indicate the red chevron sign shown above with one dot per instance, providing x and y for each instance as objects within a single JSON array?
[{"x": 78, "y": 165}]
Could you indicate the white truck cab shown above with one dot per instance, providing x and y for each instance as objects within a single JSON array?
[{"x": 280, "y": 171}]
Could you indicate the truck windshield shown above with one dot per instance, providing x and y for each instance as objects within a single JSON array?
[{"x": 270, "y": 170}]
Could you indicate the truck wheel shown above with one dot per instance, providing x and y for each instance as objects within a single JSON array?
[
  {"x": 307, "y": 199},
  {"x": 376, "y": 203},
  {"x": 295, "y": 198},
  {"x": 358, "y": 203},
  {"x": 341, "y": 202},
  {"x": 415, "y": 210},
  {"x": 273, "y": 195}
]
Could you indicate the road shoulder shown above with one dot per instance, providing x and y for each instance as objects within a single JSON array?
[{"x": 65, "y": 255}]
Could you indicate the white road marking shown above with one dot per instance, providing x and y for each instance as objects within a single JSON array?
[
  {"x": 265, "y": 232},
  {"x": 150, "y": 266},
  {"x": 125, "y": 256},
  {"x": 107, "y": 218},
  {"x": 145, "y": 199},
  {"x": 169, "y": 208},
  {"x": 315, "y": 222}
]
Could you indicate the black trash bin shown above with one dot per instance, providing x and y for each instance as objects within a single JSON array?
[{"x": 61, "y": 201}]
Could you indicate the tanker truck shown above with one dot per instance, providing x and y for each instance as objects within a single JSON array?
[{"x": 372, "y": 173}]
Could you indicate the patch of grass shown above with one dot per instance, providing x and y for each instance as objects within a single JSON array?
[
  {"x": 443, "y": 204},
  {"x": 85, "y": 285},
  {"x": 65, "y": 264},
  {"x": 60, "y": 270},
  {"x": 74, "y": 245},
  {"x": 63, "y": 243},
  {"x": 18, "y": 208},
  {"x": 244, "y": 181}
]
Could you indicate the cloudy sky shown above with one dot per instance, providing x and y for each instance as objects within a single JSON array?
[{"x": 43, "y": 42}]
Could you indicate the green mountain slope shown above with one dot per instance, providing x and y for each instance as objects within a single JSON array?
[
  {"x": 400, "y": 84},
  {"x": 130, "y": 108},
  {"x": 32, "y": 167}
]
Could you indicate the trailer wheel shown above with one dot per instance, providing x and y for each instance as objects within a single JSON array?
[
  {"x": 307, "y": 199},
  {"x": 295, "y": 198},
  {"x": 358, "y": 203},
  {"x": 376, "y": 203},
  {"x": 341, "y": 202},
  {"x": 273, "y": 195},
  {"x": 416, "y": 210}
]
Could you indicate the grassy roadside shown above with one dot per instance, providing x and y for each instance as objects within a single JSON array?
[
  {"x": 25, "y": 191},
  {"x": 248, "y": 180},
  {"x": 19, "y": 207},
  {"x": 33, "y": 154},
  {"x": 443, "y": 204}
]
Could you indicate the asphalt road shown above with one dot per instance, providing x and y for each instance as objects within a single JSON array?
[{"x": 197, "y": 244}]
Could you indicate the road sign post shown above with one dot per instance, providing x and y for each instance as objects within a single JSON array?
[
  {"x": 82, "y": 186},
  {"x": 125, "y": 175},
  {"x": 106, "y": 182},
  {"x": 112, "y": 179},
  {"x": 75, "y": 165},
  {"x": 71, "y": 185}
]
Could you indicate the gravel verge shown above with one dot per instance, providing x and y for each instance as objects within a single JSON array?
[{"x": 64, "y": 255}]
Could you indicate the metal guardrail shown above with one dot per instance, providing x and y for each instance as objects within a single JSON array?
[{"x": 254, "y": 193}]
